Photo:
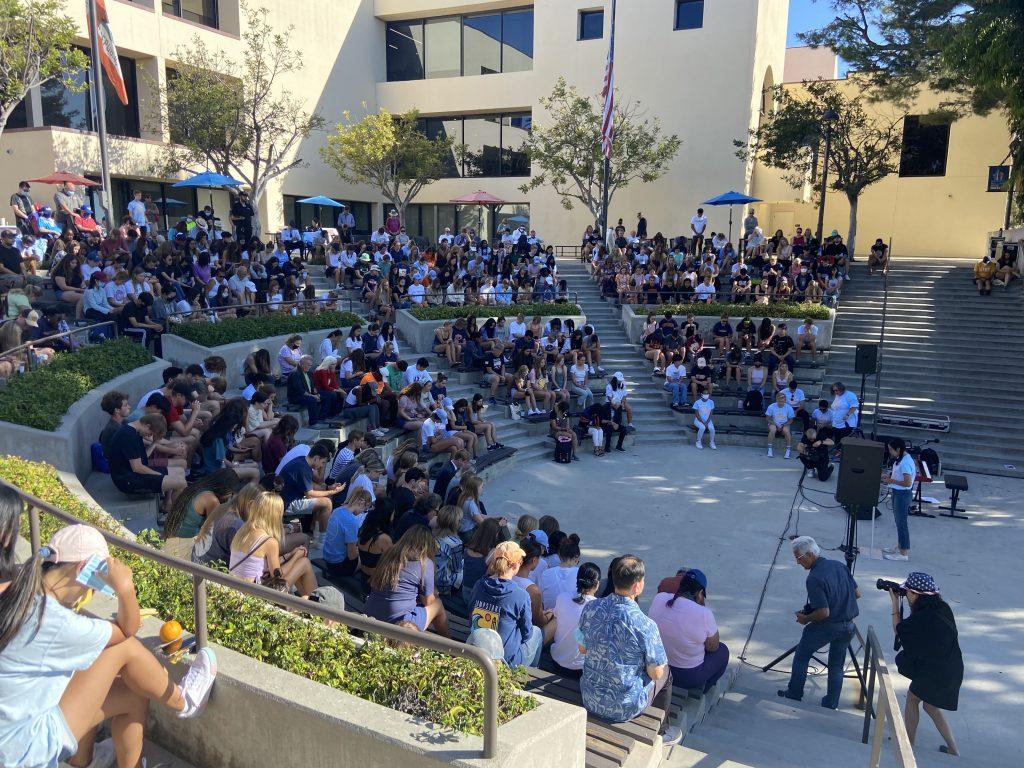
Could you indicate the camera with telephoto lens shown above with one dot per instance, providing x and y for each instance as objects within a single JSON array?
[{"x": 890, "y": 586}]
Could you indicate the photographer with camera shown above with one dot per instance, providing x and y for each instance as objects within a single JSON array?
[
  {"x": 813, "y": 450},
  {"x": 827, "y": 619},
  {"x": 928, "y": 653}
]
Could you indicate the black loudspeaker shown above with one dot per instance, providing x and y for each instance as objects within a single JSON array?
[
  {"x": 860, "y": 473},
  {"x": 866, "y": 359}
]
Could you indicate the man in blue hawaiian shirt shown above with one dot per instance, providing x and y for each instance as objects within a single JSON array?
[{"x": 625, "y": 666}]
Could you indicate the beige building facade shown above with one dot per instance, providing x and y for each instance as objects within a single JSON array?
[{"x": 476, "y": 71}]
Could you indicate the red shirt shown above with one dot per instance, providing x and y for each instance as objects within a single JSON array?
[{"x": 325, "y": 380}]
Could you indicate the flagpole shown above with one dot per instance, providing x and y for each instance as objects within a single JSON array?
[
  {"x": 610, "y": 84},
  {"x": 99, "y": 109}
]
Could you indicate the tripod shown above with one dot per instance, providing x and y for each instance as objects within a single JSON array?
[{"x": 850, "y": 550}]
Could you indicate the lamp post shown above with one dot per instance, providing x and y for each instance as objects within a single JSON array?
[{"x": 827, "y": 118}]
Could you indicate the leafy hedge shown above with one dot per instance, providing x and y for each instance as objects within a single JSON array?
[
  {"x": 251, "y": 328},
  {"x": 501, "y": 310},
  {"x": 41, "y": 397},
  {"x": 799, "y": 310},
  {"x": 422, "y": 683}
]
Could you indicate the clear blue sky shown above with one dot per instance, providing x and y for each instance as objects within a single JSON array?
[{"x": 805, "y": 15}]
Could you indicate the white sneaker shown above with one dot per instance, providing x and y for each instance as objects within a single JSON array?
[
  {"x": 197, "y": 682},
  {"x": 787, "y": 453},
  {"x": 591, "y": 370},
  {"x": 672, "y": 735},
  {"x": 889, "y": 550},
  {"x": 771, "y": 453},
  {"x": 896, "y": 556},
  {"x": 713, "y": 446},
  {"x": 699, "y": 446}
]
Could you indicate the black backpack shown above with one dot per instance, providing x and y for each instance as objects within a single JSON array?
[
  {"x": 930, "y": 459},
  {"x": 754, "y": 401},
  {"x": 563, "y": 451}
]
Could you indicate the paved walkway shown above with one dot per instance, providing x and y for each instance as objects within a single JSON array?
[{"x": 724, "y": 511}]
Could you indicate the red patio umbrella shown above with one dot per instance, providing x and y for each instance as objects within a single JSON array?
[
  {"x": 59, "y": 177},
  {"x": 481, "y": 198}
]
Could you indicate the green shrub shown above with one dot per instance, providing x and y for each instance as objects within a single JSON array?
[
  {"x": 251, "y": 328},
  {"x": 503, "y": 310},
  {"x": 800, "y": 310},
  {"x": 423, "y": 683},
  {"x": 41, "y": 397}
]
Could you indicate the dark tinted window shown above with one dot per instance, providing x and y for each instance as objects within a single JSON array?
[
  {"x": 198, "y": 11},
  {"x": 517, "y": 41},
  {"x": 405, "y": 50},
  {"x": 446, "y": 126},
  {"x": 65, "y": 109},
  {"x": 122, "y": 119},
  {"x": 481, "y": 44},
  {"x": 591, "y": 25},
  {"x": 514, "y": 131},
  {"x": 925, "y": 146},
  {"x": 442, "y": 42},
  {"x": 19, "y": 117},
  {"x": 689, "y": 14},
  {"x": 482, "y": 136}
]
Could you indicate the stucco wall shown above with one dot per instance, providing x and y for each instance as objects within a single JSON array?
[
  {"x": 634, "y": 323},
  {"x": 420, "y": 333}
]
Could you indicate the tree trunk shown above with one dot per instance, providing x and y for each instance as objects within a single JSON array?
[{"x": 851, "y": 230}]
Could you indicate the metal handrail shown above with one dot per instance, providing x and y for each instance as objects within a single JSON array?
[
  {"x": 885, "y": 710},
  {"x": 261, "y": 308},
  {"x": 29, "y": 345},
  {"x": 202, "y": 574}
]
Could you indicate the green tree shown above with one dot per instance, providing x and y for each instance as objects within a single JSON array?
[
  {"x": 971, "y": 49},
  {"x": 237, "y": 117},
  {"x": 390, "y": 153},
  {"x": 565, "y": 148},
  {"x": 37, "y": 44},
  {"x": 865, "y": 145}
]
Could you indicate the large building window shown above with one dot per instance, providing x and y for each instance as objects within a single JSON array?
[
  {"x": 303, "y": 214},
  {"x": 493, "y": 144},
  {"x": 198, "y": 11},
  {"x": 428, "y": 221},
  {"x": 689, "y": 14},
  {"x": 174, "y": 203},
  {"x": 591, "y": 25},
  {"x": 405, "y": 50},
  {"x": 925, "y": 146},
  {"x": 451, "y": 46},
  {"x": 67, "y": 109}
]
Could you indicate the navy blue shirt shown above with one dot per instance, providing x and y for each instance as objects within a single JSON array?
[
  {"x": 297, "y": 477},
  {"x": 830, "y": 584},
  {"x": 125, "y": 445},
  {"x": 503, "y": 606}
]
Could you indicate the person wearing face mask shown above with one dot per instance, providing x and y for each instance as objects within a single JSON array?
[
  {"x": 64, "y": 673},
  {"x": 702, "y": 410},
  {"x": 984, "y": 271}
]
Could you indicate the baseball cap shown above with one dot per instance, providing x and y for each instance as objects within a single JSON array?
[
  {"x": 541, "y": 538},
  {"x": 32, "y": 319},
  {"x": 86, "y": 209},
  {"x": 76, "y": 543},
  {"x": 447, "y": 402},
  {"x": 697, "y": 575}
]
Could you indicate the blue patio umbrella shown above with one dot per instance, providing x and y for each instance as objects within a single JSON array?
[
  {"x": 519, "y": 219},
  {"x": 322, "y": 200},
  {"x": 208, "y": 179},
  {"x": 732, "y": 198}
]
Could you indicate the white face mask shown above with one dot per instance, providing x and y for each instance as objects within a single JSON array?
[{"x": 705, "y": 396}]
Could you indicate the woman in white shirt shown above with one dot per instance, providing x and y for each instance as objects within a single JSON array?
[
  {"x": 688, "y": 631},
  {"x": 565, "y": 650},
  {"x": 562, "y": 577},
  {"x": 901, "y": 487},
  {"x": 517, "y": 328}
]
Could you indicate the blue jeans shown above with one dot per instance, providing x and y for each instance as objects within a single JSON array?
[
  {"x": 901, "y": 511},
  {"x": 312, "y": 406},
  {"x": 533, "y": 646},
  {"x": 836, "y": 635},
  {"x": 678, "y": 392}
]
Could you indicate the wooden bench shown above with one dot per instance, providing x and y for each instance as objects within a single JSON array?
[{"x": 608, "y": 744}]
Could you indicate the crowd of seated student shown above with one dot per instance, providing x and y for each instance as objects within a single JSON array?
[{"x": 637, "y": 270}]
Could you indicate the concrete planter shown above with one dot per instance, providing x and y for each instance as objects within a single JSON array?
[
  {"x": 68, "y": 447},
  {"x": 634, "y": 322},
  {"x": 328, "y": 727},
  {"x": 420, "y": 333},
  {"x": 182, "y": 352}
]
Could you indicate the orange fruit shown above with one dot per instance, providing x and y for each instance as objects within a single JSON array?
[{"x": 171, "y": 633}]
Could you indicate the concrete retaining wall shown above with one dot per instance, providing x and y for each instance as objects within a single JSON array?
[
  {"x": 634, "y": 322},
  {"x": 68, "y": 447},
  {"x": 314, "y": 725},
  {"x": 420, "y": 333},
  {"x": 183, "y": 352}
]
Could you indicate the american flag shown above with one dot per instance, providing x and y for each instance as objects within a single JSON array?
[{"x": 608, "y": 92}]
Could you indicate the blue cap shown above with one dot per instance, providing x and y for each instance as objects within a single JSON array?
[
  {"x": 697, "y": 575},
  {"x": 46, "y": 210},
  {"x": 541, "y": 538},
  {"x": 86, "y": 209}
]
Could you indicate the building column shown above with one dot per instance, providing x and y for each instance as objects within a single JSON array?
[
  {"x": 151, "y": 83},
  {"x": 34, "y": 108}
]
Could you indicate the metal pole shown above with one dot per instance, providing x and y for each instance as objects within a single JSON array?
[
  {"x": 99, "y": 109},
  {"x": 33, "y": 528},
  {"x": 199, "y": 604},
  {"x": 607, "y": 174},
  {"x": 881, "y": 340},
  {"x": 824, "y": 182}
]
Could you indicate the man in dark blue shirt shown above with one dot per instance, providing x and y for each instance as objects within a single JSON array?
[
  {"x": 827, "y": 619},
  {"x": 300, "y": 498}
]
